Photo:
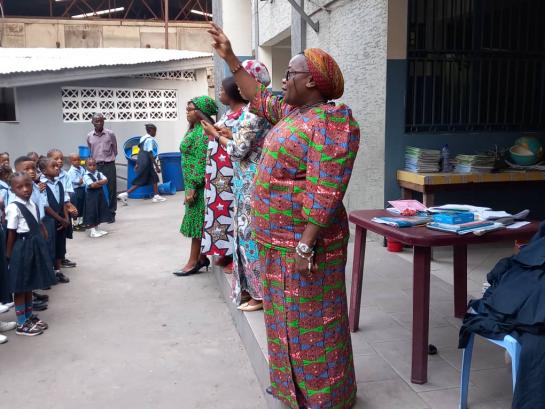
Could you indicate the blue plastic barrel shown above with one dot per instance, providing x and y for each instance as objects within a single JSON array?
[
  {"x": 171, "y": 166},
  {"x": 142, "y": 192},
  {"x": 84, "y": 152}
]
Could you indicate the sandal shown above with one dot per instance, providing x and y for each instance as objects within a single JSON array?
[{"x": 248, "y": 308}]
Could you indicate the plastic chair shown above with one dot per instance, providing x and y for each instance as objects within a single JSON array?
[{"x": 509, "y": 343}]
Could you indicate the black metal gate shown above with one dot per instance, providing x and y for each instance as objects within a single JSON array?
[{"x": 475, "y": 65}]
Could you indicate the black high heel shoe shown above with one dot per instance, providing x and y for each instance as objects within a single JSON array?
[{"x": 200, "y": 264}]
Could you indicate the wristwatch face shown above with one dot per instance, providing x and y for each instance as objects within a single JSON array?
[{"x": 304, "y": 248}]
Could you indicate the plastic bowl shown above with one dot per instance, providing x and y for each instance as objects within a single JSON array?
[{"x": 522, "y": 156}]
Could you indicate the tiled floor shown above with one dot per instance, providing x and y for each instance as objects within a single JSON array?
[{"x": 382, "y": 346}]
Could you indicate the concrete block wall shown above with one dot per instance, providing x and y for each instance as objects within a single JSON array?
[
  {"x": 355, "y": 34},
  {"x": 40, "y": 126}
]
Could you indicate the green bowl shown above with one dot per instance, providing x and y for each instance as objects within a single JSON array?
[{"x": 523, "y": 156}]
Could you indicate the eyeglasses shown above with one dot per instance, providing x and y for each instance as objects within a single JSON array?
[
  {"x": 291, "y": 73},
  {"x": 190, "y": 109}
]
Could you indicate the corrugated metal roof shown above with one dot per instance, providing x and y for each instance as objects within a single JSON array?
[{"x": 29, "y": 60}]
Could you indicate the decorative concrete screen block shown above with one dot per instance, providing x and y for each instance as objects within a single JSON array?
[
  {"x": 171, "y": 75},
  {"x": 79, "y": 104}
]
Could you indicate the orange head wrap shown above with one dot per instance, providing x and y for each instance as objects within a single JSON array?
[{"x": 326, "y": 73}]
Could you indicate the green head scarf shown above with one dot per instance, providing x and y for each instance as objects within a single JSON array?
[{"x": 206, "y": 105}]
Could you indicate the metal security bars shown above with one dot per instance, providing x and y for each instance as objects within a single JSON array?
[{"x": 475, "y": 65}]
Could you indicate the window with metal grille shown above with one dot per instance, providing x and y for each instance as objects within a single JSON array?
[
  {"x": 171, "y": 75},
  {"x": 475, "y": 65},
  {"x": 119, "y": 104}
]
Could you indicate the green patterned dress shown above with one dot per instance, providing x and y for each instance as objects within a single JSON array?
[{"x": 193, "y": 148}]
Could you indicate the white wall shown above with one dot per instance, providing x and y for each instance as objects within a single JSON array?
[
  {"x": 280, "y": 60},
  {"x": 237, "y": 22},
  {"x": 40, "y": 125}
]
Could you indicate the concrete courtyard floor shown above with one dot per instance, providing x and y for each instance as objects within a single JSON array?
[{"x": 127, "y": 333}]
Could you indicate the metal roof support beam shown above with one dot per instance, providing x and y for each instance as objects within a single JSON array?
[{"x": 314, "y": 24}]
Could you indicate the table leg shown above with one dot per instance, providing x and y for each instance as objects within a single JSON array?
[
  {"x": 421, "y": 311},
  {"x": 460, "y": 280},
  {"x": 428, "y": 199},
  {"x": 406, "y": 194},
  {"x": 357, "y": 278}
]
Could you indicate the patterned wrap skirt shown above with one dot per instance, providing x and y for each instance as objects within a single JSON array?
[
  {"x": 217, "y": 234},
  {"x": 246, "y": 267},
  {"x": 306, "y": 317}
]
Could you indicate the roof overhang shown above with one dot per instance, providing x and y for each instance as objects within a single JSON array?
[{"x": 79, "y": 74}]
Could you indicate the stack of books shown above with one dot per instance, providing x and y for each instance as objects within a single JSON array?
[
  {"x": 474, "y": 164},
  {"x": 465, "y": 228},
  {"x": 408, "y": 221},
  {"x": 422, "y": 160}
]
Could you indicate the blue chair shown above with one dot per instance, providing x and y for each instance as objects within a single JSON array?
[{"x": 509, "y": 343}]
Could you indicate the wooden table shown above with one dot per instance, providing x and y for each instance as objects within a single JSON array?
[
  {"x": 430, "y": 183},
  {"x": 422, "y": 239}
]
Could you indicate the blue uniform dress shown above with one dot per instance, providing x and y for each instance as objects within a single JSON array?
[
  {"x": 5, "y": 294},
  {"x": 96, "y": 203},
  {"x": 64, "y": 178},
  {"x": 75, "y": 176},
  {"x": 30, "y": 266},
  {"x": 5, "y": 193},
  {"x": 55, "y": 197},
  {"x": 145, "y": 175}
]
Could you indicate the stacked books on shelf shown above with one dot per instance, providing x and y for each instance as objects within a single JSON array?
[
  {"x": 474, "y": 164},
  {"x": 422, "y": 160}
]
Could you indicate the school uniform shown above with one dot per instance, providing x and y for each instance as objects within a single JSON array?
[
  {"x": 55, "y": 198},
  {"x": 64, "y": 178},
  {"x": 5, "y": 193},
  {"x": 96, "y": 203},
  {"x": 5, "y": 294},
  {"x": 77, "y": 198},
  {"x": 30, "y": 266},
  {"x": 38, "y": 198},
  {"x": 145, "y": 175}
]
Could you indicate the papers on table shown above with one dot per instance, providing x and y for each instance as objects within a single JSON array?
[
  {"x": 409, "y": 221},
  {"x": 517, "y": 225}
]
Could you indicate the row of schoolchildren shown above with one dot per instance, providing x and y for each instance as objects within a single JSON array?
[{"x": 40, "y": 206}]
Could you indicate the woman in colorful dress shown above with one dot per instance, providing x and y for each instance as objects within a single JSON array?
[
  {"x": 193, "y": 148},
  {"x": 302, "y": 228},
  {"x": 244, "y": 144},
  {"x": 218, "y": 235}
]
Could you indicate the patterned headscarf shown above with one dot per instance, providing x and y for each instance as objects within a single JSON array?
[
  {"x": 258, "y": 70},
  {"x": 206, "y": 105},
  {"x": 325, "y": 72}
]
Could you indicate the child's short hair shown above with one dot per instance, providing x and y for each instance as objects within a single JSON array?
[
  {"x": 42, "y": 163},
  {"x": 51, "y": 152},
  {"x": 22, "y": 159},
  {"x": 18, "y": 175},
  {"x": 5, "y": 172}
]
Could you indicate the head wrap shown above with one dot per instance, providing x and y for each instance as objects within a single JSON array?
[
  {"x": 206, "y": 105},
  {"x": 257, "y": 70},
  {"x": 325, "y": 72}
]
